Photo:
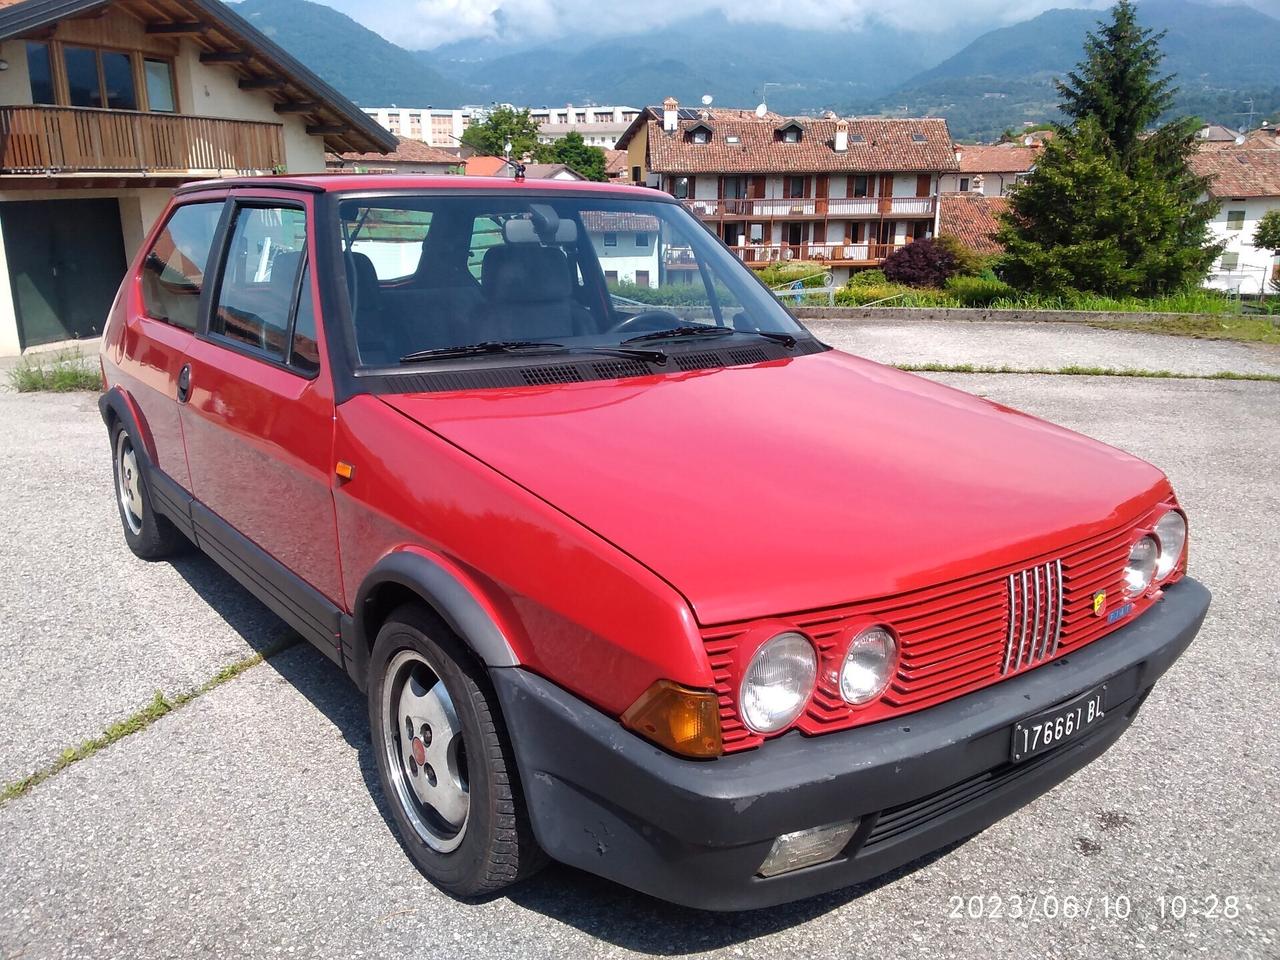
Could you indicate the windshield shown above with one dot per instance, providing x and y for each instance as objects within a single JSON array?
[{"x": 426, "y": 274}]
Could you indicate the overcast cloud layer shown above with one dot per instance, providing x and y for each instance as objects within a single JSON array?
[{"x": 423, "y": 24}]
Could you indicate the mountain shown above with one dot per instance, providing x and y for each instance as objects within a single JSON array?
[
  {"x": 1220, "y": 54},
  {"x": 806, "y": 69},
  {"x": 982, "y": 82},
  {"x": 358, "y": 62}
]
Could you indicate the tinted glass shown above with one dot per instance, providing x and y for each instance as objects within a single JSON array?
[
  {"x": 82, "y": 76},
  {"x": 173, "y": 270},
  {"x": 159, "y": 76},
  {"x": 570, "y": 270},
  {"x": 117, "y": 74},
  {"x": 305, "y": 352},
  {"x": 41, "y": 71},
  {"x": 256, "y": 294}
]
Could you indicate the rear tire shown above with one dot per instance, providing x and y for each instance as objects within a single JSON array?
[
  {"x": 444, "y": 759},
  {"x": 148, "y": 534}
]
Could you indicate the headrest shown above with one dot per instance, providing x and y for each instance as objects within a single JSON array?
[
  {"x": 525, "y": 273},
  {"x": 362, "y": 278},
  {"x": 284, "y": 271}
]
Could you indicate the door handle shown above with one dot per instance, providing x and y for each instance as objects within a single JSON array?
[{"x": 184, "y": 383}]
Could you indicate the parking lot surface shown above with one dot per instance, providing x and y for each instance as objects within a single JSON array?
[
  {"x": 249, "y": 823},
  {"x": 1042, "y": 346}
]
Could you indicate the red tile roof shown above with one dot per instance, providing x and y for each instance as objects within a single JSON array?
[
  {"x": 1000, "y": 158},
  {"x": 479, "y": 166},
  {"x": 1240, "y": 172},
  {"x": 972, "y": 219},
  {"x": 615, "y": 162},
  {"x": 406, "y": 151},
  {"x": 875, "y": 145}
]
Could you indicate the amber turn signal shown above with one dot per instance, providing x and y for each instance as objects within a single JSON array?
[{"x": 681, "y": 719}]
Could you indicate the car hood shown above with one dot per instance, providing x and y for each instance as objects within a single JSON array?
[{"x": 800, "y": 483}]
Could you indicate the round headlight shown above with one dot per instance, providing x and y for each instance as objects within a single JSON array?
[
  {"x": 1141, "y": 566},
  {"x": 778, "y": 682},
  {"x": 1172, "y": 531},
  {"x": 868, "y": 665}
]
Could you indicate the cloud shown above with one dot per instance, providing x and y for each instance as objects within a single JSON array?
[{"x": 424, "y": 24}]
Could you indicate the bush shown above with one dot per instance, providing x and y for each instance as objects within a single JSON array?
[
  {"x": 969, "y": 263},
  {"x": 868, "y": 278},
  {"x": 978, "y": 291},
  {"x": 782, "y": 274},
  {"x": 924, "y": 263}
]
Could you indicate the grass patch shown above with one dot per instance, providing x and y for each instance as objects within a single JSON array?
[
  {"x": 1251, "y": 329},
  {"x": 1078, "y": 371},
  {"x": 60, "y": 372},
  {"x": 160, "y": 706}
]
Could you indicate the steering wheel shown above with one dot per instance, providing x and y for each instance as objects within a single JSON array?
[{"x": 648, "y": 320}]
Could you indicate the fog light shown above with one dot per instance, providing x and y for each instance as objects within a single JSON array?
[{"x": 804, "y": 848}]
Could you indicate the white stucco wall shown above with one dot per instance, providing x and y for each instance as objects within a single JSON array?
[
  {"x": 15, "y": 83},
  {"x": 626, "y": 258},
  {"x": 1255, "y": 265},
  {"x": 214, "y": 91}
]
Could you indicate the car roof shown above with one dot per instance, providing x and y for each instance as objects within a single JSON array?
[{"x": 381, "y": 182}]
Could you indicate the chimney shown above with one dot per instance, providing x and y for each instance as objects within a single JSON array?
[
  {"x": 842, "y": 136},
  {"x": 670, "y": 114}
]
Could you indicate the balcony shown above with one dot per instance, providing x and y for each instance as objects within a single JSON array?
[
  {"x": 39, "y": 140},
  {"x": 800, "y": 208},
  {"x": 835, "y": 254}
]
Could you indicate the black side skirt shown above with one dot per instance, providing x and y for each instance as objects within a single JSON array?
[{"x": 287, "y": 595}]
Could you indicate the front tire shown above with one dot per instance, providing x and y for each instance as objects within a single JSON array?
[
  {"x": 444, "y": 759},
  {"x": 148, "y": 534}
]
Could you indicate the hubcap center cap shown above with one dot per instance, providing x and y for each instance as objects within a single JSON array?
[{"x": 419, "y": 750}]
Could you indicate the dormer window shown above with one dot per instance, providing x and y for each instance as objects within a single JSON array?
[
  {"x": 700, "y": 133},
  {"x": 790, "y": 132}
]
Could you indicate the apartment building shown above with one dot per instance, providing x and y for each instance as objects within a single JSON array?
[
  {"x": 845, "y": 192},
  {"x": 599, "y": 126},
  {"x": 1247, "y": 184},
  {"x": 990, "y": 170},
  {"x": 105, "y": 107}
]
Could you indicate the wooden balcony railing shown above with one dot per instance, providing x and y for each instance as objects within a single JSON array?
[
  {"x": 759, "y": 255},
  {"x": 801, "y": 207},
  {"x": 53, "y": 140}
]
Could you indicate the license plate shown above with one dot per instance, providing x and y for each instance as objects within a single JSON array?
[{"x": 1058, "y": 725}]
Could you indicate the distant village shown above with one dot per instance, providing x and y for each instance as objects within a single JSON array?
[{"x": 105, "y": 109}]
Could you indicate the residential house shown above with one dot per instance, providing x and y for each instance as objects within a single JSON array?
[
  {"x": 105, "y": 107},
  {"x": 1247, "y": 184},
  {"x": 845, "y": 192},
  {"x": 409, "y": 156},
  {"x": 973, "y": 219},
  {"x": 1212, "y": 133},
  {"x": 484, "y": 166},
  {"x": 627, "y": 246},
  {"x": 615, "y": 166},
  {"x": 990, "y": 170}
]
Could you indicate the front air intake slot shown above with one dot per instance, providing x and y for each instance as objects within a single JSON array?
[{"x": 544, "y": 376}]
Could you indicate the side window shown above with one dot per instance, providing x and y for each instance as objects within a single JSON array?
[
  {"x": 173, "y": 270},
  {"x": 304, "y": 352},
  {"x": 255, "y": 296}
]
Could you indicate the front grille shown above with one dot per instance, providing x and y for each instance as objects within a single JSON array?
[
  {"x": 954, "y": 638},
  {"x": 1035, "y": 616}
]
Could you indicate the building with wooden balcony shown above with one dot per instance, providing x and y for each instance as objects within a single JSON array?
[
  {"x": 105, "y": 107},
  {"x": 843, "y": 192}
]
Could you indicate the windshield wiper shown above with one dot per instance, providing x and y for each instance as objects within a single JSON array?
[
  {"x": 705, "y": 330},
  {"x": 540, "y": 347},
  {"x": 475, "y": 349}
]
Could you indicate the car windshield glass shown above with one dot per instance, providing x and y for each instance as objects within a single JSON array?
[{"x": 428, "y": 273}]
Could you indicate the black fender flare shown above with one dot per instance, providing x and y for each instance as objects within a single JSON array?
[{"x": 443, "y": 589}]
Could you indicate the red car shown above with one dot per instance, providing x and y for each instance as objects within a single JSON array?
[{"x": 635, "y": 572}]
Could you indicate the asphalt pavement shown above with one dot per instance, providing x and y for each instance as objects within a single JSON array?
[{"x": 249, "y": 823}]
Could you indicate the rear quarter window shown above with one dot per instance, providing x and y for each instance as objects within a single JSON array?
[{"x": 173, "y": 269}]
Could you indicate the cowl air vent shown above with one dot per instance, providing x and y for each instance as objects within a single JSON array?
[
  {"x": 544, "y": 376},
  {"x": 581, "y": 371}
]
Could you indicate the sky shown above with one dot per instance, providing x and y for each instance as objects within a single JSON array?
[{"x": 425, "y": 24}]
